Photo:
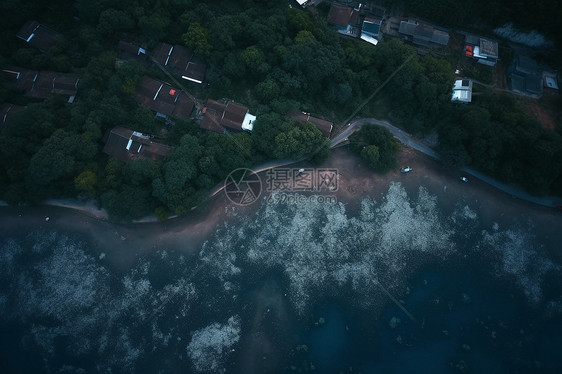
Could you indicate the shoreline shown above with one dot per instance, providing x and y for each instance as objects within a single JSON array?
[{"x": 125, "y": 244}]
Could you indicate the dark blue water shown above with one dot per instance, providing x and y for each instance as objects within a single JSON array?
[
  {"x": 464, "y": 321},
  {"x": 267, "y": 296}
]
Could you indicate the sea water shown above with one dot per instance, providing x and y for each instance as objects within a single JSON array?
[{"x": 400, "y": 285}]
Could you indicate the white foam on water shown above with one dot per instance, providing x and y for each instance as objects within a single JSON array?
[
  {"x": 319, "y": 247},
  {"x": 210, "y": 346},
  {"x": 522, "y": 258}
]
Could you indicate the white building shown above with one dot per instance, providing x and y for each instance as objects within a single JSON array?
[{"x": 462, "y": 91}]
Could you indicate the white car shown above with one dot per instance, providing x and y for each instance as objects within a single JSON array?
[
  {"x": 407, "y": 169},
  {"x": 464, "y": 179}
]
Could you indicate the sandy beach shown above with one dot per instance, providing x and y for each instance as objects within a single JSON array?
[{"x": 124, "y": 244}]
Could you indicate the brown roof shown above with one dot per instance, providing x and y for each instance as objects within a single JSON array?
[
  {"x": 324, "y": 126},
  {"x": 37, "y": 35},
  {"x": 342, "y": 15},
  {"x": 163, "y": 98},
  {"x": 41, "y": 84},
  {"x": 6, "y": 112},
  {"x": 49, "y": 82},
  {"x": 161, "y": 53},
  {"x": 133, "y": 49},
  {"x": 19, "y": 78},
  {"x": 180, "y": 57},
  {"x": 211, "y": 121},
  {"x": 181, "y": 60},
  {"x": 220, "y": 115},
  {"x": 126, "y": 145}
]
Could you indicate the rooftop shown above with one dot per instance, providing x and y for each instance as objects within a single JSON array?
[
  {"x": 324, "y": 126},
  {"x": 423, "y": 34},
  {"x": 219, "y": 115},
  {"x": 342, "y": 15},
  {"x": 163, "y": 98},
  {"x": 181, "y": 60},
  {"x": 126, "y": 145},
  {"x": 42, "y": 84},
  {"x": 371, "y": 26},
  {"x": 37, "y": 35},
  {"x": 462, "y": 91}
]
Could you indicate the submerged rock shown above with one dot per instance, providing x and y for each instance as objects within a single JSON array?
[{"x": 394, "y": 322}]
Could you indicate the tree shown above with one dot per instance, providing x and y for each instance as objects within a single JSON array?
[
  {"x": 196, "y": 38},
  {"x": 376, "y": 145}
]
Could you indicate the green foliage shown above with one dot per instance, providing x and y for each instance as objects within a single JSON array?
[
  {"x": 376, "y": 145},
  {"x": 196, "y": 38}
]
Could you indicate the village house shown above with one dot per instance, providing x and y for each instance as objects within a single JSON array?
[
  {"x": 38, "y": 36},
  {"x": 129, "y": 51},
  {"x": 41, "y": 84},
  {"x": 423, "y": 35},
  {"x": 164, "y": 99},
  {"x": 484, "y": 51},
  {"x": 223, "y": 116},
  {"x": 524, "y": 76},
  {"x": 127, "y": 145},
  {"x": 324, "y": 126},
  {"x": 371, "y": 30},
  {"x": 180, "y": 60},
  {"x": 462, "y": 91},
  {"x": 344, "y": 19}
]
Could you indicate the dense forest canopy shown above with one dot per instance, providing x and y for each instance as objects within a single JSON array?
[{"x": 264, "y": 54}]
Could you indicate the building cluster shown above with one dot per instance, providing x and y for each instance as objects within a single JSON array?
[
  {"x": 41, "y": 84},
  {"x": 361, "y": 21}
]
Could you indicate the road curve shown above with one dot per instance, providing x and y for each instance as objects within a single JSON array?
[{"x": 410, "y": 141}]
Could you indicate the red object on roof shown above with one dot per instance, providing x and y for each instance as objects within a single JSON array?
[
  {"x": 469, "y": 50},
  {"x": 172, "y": 92}
]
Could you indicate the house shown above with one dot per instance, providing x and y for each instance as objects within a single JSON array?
[
  {"x": 7, "y": 110},
  {"x": 324, "y": 126},
  {"x": 483, "y": 50},
  {"x": 129, "y": 50},
  {"x": 462, "y": 91},
  {"x": 371, "y": 30},
  {"x": 127, "y": 145},
  {"x": 423, "y": 35},
  {"x": 180, "y": 60},
  {"x": 164, "y": 99},
  {"x": 343, "y": 18},
  {"x": 524, "y": 76},
  {"x": 38, "y": 36},
  {"x": 42, "y": 84},
  {"x": 220, "y": 116}
]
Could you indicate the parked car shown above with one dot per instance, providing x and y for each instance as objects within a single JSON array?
[
  {"x": 407, "y": 169},
  {"x": 464, "y": 179}
]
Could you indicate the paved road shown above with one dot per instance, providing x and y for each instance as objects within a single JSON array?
[{"x": 408, "y": 140}]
